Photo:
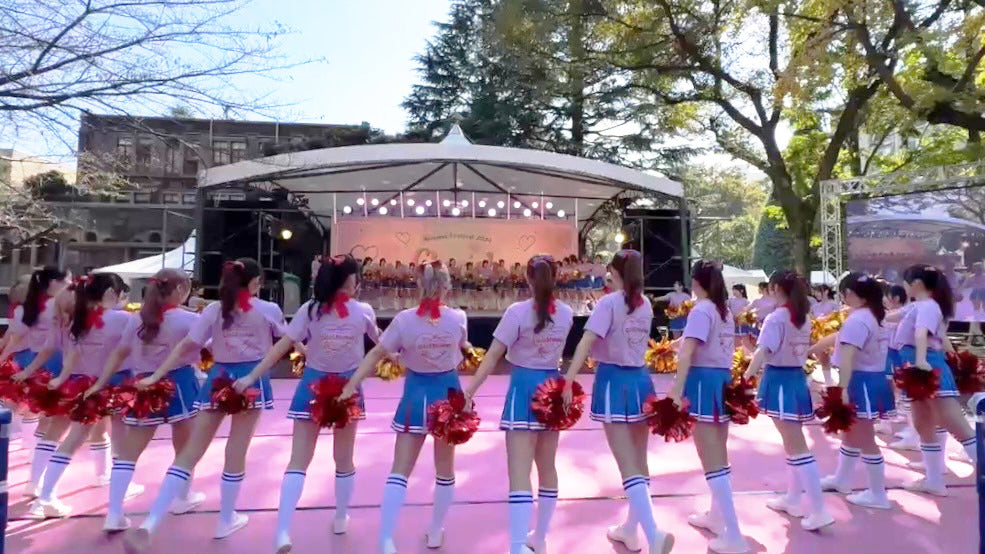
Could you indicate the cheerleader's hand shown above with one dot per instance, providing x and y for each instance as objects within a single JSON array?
[
  {"x": 347, "y": 391},
  {"x": 675, "y": 396},
  {"x": 566, "y": 393},
  {"x": 90, "y": 391},
  {"x": 748, "y": 375},
  {"x": 844, "y": 396},
  {"x": 146, "y": 382},
  {"x": 468, "y": 401},
  {"x": 20, "y": 376},
  {"x": 55, "y": 383},
  {"x": 243, "y": 383},
  {"x": 924, "y": 365}
]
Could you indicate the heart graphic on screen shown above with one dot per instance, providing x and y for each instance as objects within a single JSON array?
[
  {"x": 361, "y": 251},
  {"x": 526, "y": 241},
  {"x": 402, "y": 237}
]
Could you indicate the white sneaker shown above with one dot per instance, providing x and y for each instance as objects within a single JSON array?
[
  {"x": 785, "y": 505},
  {"x": 629, "y": 539},
  {"x": 536, "y": 547},
  {"x": 32, "y": 490},
  {"x": 918, "y": 465},
  {"x": 921, "y": 485},
  {"x": 706, "y": 521},
  {"x": 434, "y": 539},
  {"x": 224, "y": 529},
  {"x": 867, "y": 499},
  {"x": 884, "y": 427},
  {"x": 101, "y": 481},
  {"x": 729, "y": 546},
  {"x": 816, "y": 521},
  {"x": 133, "y": 491},
  {"x": 663, "y": 545},
  {"x": 52, "y": 509},
  {"x": 961, "y": 456},
  {"x": 185, "y": 505},
  {"x": 831, "y": 484},
  {"x": 908, "y": 440},
  {"x": 283, "y": 545},
  {"x": 340, "y": 526},
  {"x": 388, "y": 547},
  {"x": 115, "y": 525}
]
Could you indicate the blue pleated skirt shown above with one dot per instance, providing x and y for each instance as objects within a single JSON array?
[
  {"x": 705, "y": 390},
  {"x": 182, "y": 406},
  {"x": 937, "y": 360},
  {"x": 264, "y": 401},
  {"x": 53, "y": 365},
  {"x": 619, "y": 393},
  {"x": 517, "y": 415},
  {"x": 303, "y": 396},
  {"x": 677, "y": 324},
  {"x": 420, "y": 391},
  {"x": 872, "y": 395},
  {"x": 893, "y": 361},
  {"x": 784, "y": 395}
]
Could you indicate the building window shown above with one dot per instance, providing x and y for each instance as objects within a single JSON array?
[
  {"x": 171, "y": 157},
  {"x": 228, "y": 151},
  {"x": 238, "y": 150},
  {"x": 124, "y": 148},
  {"x": 144, "y": 148},
  {"x": 142, "y": 197},
  {"x": 191, "y": 161},
  {"x": 171, "y": 197},
  {"x": 188, "y": 198}
]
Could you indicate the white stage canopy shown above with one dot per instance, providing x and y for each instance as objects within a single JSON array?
[
  {"x": 182, "y": 257},
  {"x": 432, "y": 180}
]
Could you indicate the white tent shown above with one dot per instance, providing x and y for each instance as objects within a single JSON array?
[
  {"x": 182, "y": 257},
  {"x": 748, "y": 277},
  {"x": 823, "y": 278}
]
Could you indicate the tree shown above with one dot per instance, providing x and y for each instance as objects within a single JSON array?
[
  {"x": 47, "y": 184},
  {"x": 726, "y": 205}
]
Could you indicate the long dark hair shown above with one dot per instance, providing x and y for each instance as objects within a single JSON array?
[
  {"x": 332, "y": 274},
  {"x": 742, "y": 290},
  {"x": 236, "y": 277},
  {"x": 899, "y": 293},
  {"x": 827, "y": 292},
  {"x": 629, "y": 265},
  {"x": 708, "y": 274},
  {"x": 37, "y": 287},
  {"x": 159, "y": 288},
  {"x": 89, "y": 292},
  {"x": 936, "y": 283},
  {"x": 795, "y": 288},
  {"x": 866, "y": 288},
  {"x": 542, "y": 273}
]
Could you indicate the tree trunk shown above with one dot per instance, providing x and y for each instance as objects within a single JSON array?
[
  {"x": 576, "y": 75},
  {"x": 802, "y": 249}
]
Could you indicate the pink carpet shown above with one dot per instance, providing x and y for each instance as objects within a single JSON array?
[{"x": 590, "y": 495}]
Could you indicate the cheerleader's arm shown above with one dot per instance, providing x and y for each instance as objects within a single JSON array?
[
  {"x": 180, "y": 352},
  {"x": 11, "y": 343},
  {"x": 581, "y": 356},
  {"x": 276, "y": 354},
  {"x": 921, "y": 340},
  {"x": 495, "y": 353},
  {"x": 683, "y": 368},
  {"x": 71, "y": 360},
  {"x": 368, "y": 364},
  {"x": 823, "y": 345},
  {"x": 845, "y": 369},
  {"x": 756, "y": 363},
  {"x": 112, "y": 366}
]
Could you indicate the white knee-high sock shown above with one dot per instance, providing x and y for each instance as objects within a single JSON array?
[
  {"x": 847, "y": 458},
  {"x": 521, "y": 508},
  {"x": 546, "y": 502},
  {"x": 394, "y": 493},
  {"x": 794, "y": 487},
  {"x": 631, "y": 521},
  {"x": 933, "y": 459},
  {"x": 875, "y": 466},
  {"x": 29, "y": 431},
  {"x": 970, "y": 446},
  {"x": 102, "y": 459},
  {"x": 53, "y": 473},
  {"x": 720, "y": 483},
  {"x": 941, "y": 434},
  {"x": 290, "y": 494},
  {"x": 638, "y": 494},
  {"x": 444, "y": 493},
  {"x": 345, "y": 482},
  {"x": 175, "y": 481},
  {"x": 42, "y": 454},
  {"x": 810, "y": 479},
  {"x": 228, "y": 493},
  {"x": 119, "y": 481}
]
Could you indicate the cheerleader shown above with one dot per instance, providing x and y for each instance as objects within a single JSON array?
[
  {"x": 702, "y": 375},
  {"x": 860, "y": 355},
  {"x": 737, "y": 304},
  {"x": 922, "y": 337},
  {"x": 333, "y": 326},
  {"x": 95, "y": 330},
  {"x": 241, "y": 328},
  {"x": 532, "y": 335},
  {"x": 675, "y": 299},
  {"x": 894, "y": 300},
  {"x": 616, "y": 335},
  {"x": 429, "y": 341},
  {"x": 147, "y": 340},
  {"x": 785, "y": 397}
]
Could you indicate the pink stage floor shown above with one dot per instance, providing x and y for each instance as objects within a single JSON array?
[{"x": 591, "y": 497}]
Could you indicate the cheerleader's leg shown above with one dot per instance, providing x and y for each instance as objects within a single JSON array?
[
  {"x": 302, "y": 451},
  {"x": 444, "y": 491},
  {"x": 47, "y": 505},
  {"x": 806, "y": 476},
  {"x": 863, "y": 435},
  {"x": 234, "y": 471},
  {"x": 925, "y": 422},
  {"x": 950, "y": 416},
  {"x": 710, "y": 440},
  {"x": 187, "y": 500},
  {"x": 406, "y": 449},
  {"x": 54, "y": 429},
  {"x": 521, "y": 447},
  {"x": 545, "y": 457},
  {"x": 100, "y": 450},
  {"x": 343, "y": 450},
  {"x": 120, "y": 477}
]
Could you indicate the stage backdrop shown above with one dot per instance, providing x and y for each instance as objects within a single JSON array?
[{"x": 415, "y": 239}]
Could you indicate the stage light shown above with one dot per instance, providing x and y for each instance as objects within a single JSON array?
[
  {"x": 428, "y": 203},
  {"x": 549, "y": 205},
  {"x": 383, "y": 210},
  {"x": 620, "y": 237},
  {"x": 419, "y": 210},
  {"x": 456, "y": 212},
  {"x": 286, "y": 233},
  {"x": 965, "y": 244},
  {"x": 410, "y": 201},
  {"x": 393, "y": 202},
  {"x": 360, "y": 201},
  {"x": 501, "y": 204},
  {"x": 446, "y": 203},
  {"x": 482, "y": 203},
  {"x": 465, "y": 203},
  {"x": 560, "y": 213},
  {"x": 517, "y": 204},
  {"x": 375, "y": 202},
  {"x": 527, "y": 212},
  {"x": 492, "y": 212},
  {"x": 346, "y": 210},
  {"x": 535, "y": 205}
]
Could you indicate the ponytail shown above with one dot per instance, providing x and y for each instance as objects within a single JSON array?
[
  {"x": 795, "y": 288},
  {"x": 742, "y": 290},
  {"x": 159, "y": 288},
  {"x": 936, "y": 283},
  {"x": 542, "y": 274},
  {"x": 89, "y": 292},
  {"x": 868, "y": 289},
  {"x": 37, "y": 290},
  {"x": 708, "y": 274},
  {"x": 629, "y": 265},
  {"x": 236, "y": 277},
  {"x": 332, "y": 275}
]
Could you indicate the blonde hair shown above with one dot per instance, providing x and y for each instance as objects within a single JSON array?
[{"x": 434, "y": 279}]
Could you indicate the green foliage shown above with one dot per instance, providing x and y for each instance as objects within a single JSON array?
[
  {"x": 48, "y": 184},
  {"x": 726, "y": 205},
  {"x": 772, "y": 247}
]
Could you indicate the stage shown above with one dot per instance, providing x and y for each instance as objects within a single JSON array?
[{"x": 591, "y": 497}]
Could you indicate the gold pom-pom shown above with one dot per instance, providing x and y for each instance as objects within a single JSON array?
[
  {"x": 828, "y": 324},
  {"x": 660, "y": 356},
  {"x": 389, "y": 369},
  {"x": 679, "y": 311},
  {"x": 298, "y": 363},
  {"x": 206, "y": 361},
  {"x": 740, "y": 363},
  {"x": 747, "y": 317},
  {"x": 132, "y": 307},
  {"x": 473, "y": 357}
]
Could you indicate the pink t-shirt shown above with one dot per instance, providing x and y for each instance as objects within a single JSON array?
[
  {"x": 334, "y": 344},
  {"x": 823, "y": 308},
  {"x": 764, "y": 306},
  {"x": 716, "y": 337},
  {"x": 622, "y": 337},
  {"x": 922, "y": 314},
  {"x": 862, "y": 331},
  {"x": 426, "y": 345},
  {"x": 33, "y": 338},
  {"x": 146, "y": 357},
  {"x": 95, "y": 347},
  {"x": 525, "y": 348},
  {"x": 785, "y": 344},
  {"x": 737, "y": 305},
  {"x": 675, "y": 299},
  {"x": 247, "y": 339}
]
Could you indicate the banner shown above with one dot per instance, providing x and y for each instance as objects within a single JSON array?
[{"x": 465, "y": 239}]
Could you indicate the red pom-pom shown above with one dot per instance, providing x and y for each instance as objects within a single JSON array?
[
  {"x": 326, "y": 409},
  {"x": 448, "y": 420},
  {"x": 838, "y": 416},
  {"x": 672, "y": 422},
  {"x": 918, "y": 384},
  {"x": 89, "y": 410},
  {"x": 152, "y": 400},
  {"x": 548, "y": 406},
  {"x": 226, "y": 399},
  {"x": 740, "y": 401},
  {"x": 72, "y": 404},
  {"x": 969, "y": 371},
  {"x": 10, "y": 391},
  {"x": 40, "y": 399}
]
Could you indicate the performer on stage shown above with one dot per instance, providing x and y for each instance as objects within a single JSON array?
[
  {"x": 146, "y": 342},
  {"x": 737, "y": 303},
  {"x": 702, "y": 375},
  {"x": 784, "y": 396},
  {"x": 95, "y": 330},
  {"x": 826, "y": 302},
  {"x": 860, "y": 355},
  {"x": 616, "y": 335},
  {"x": 242, "y": 328},
  {"x": 922, "y": 336},
  {"x": 531, "y": 334},
  {"x": 332, "y": 325},
  {"x": 674, "y": 299},
  {"x": 429, "y": 341}
]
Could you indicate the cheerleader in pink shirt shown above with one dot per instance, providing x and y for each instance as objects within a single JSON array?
[
  {"x": 616, "y": 335},
  {"x": 532, "y": 335},
  {"x": 703, "y": 372},
  {"x": 785, "y": 397},
  {"x": 332, "y": 325},
  {"x": 429, "y": 341},
  {"x": 95, "y": 330},
  {"x": 242, "y": 328}
]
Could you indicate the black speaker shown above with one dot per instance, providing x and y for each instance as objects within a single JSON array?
[{"x": 663, "y": 239}]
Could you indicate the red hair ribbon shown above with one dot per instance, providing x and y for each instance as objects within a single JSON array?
[
  {"x": 338, "y": 303},
  {"x": 94, "y": 318},
  {"x": 243, "y": 300},
  {"x": 338, "y": 260},
  {"x": 551, "y": 307},
  {"x": 164, "y": 309},
  {"x": 637, "y": 300},
  {"x": 233, "y": 263},
  {"x": 430, "y": 307},
  {"x": 42, "y": 300}
]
